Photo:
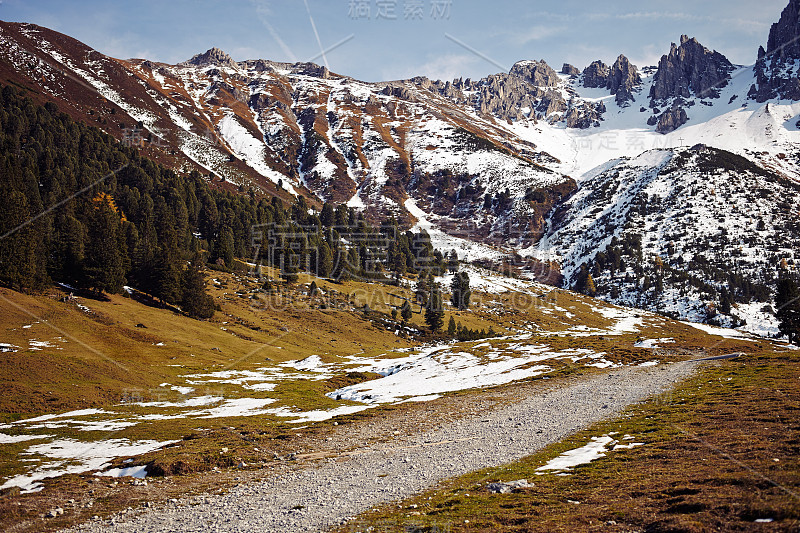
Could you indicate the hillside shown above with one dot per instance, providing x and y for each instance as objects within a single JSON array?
[{"x": 696, "y": 233}]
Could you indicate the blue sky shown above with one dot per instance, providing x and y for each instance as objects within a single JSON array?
[{"x": 393, "y": 39}]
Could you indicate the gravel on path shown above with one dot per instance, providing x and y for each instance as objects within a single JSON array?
[{"x": 318, "y": 494}]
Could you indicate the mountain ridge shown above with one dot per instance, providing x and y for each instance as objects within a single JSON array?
[{"x": 500, "y": 155}]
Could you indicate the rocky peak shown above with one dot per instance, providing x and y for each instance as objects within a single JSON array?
[
  {"x": 536, "y": 73},
  {"x": 690, "y": 68},
  {"x": 622, "y": 78},
  {"x": 570, "y": 70},
  {"x": 214, "y": 56},
  {"x": 776, "y": 76},
  {"x": 783, "y": 40},
  {"x": 595, "y": 76},
  {"x": 312, "y": 69}
]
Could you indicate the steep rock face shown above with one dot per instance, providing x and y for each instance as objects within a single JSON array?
[
  {"x": 214, "y": 56},
  {"x": 505, "y": 96},
  {"x": 622, "y": 78},
  {"x": 536, "y": 73},
  {"x": 783, "y": 40},
  {"x": 570, "y": 70},
  {"x": 777, "y": 67},
  {"x": 596, "y": 75},
  {"x": 690, "y": 69},
  {"x": 672, "y": 119}
]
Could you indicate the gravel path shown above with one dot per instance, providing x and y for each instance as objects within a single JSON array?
[{"x": 334, "y": 488}]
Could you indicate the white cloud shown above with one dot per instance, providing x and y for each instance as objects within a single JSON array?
[
  {"x": 443, "y": 67},
  {"x": 534, "y": 33}
]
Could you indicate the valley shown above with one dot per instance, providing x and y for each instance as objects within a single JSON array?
[{"x": 254, "y": 294}]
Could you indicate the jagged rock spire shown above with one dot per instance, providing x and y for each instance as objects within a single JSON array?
[{"x": 690, "y": 69}]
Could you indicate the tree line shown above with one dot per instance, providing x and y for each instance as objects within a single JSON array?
[{"x": 81, "y": 209}]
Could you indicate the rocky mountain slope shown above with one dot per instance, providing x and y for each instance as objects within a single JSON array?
[
  {"x": 692, "y": 233},
  {"x": 502, "y": 161}
]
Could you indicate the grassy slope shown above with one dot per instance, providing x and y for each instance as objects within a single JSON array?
[{"x": 106, "y": 358}]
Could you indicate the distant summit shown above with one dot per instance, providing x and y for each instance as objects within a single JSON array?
[
  {"x": 214, "y": 56},
  {"x": 689, "y": 70}
]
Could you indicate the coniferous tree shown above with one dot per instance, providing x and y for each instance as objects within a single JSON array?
[
  {"x": 324, "y": 260},
  {"x": 787, "y": 301},
  {"x": 460, "y": 291},
  {"x": 451, "y": 326},
  {"x": 327, "y": 217},
  {"x": 434, "y": 311},
  {"x": 226, "y": 247},
  {"x": 290, "y": 272},
  {"x": 167, "y": 276},
  {"x": 590, "y": 288},
  {"x": 18, "y": 259},
  {"x": 104, "y": 268},
  {"x": 406, "y": 312},
  {"x": 195, "y": 301}
]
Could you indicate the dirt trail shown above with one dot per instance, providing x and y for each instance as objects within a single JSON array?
[{"x": 328, "y": 487}]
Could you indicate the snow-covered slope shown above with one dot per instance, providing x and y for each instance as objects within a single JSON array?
[{"x": 688, "y": 232}]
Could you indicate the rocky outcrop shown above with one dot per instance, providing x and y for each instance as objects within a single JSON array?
[
  {"x": 671, "y": 119},
  {"x": 783, "y": 42},
  {"x": 595, "y": 76},
  {"x": 585, "y": 115},
  {"x": 530, "y": 91},
  {"x": 402, "y": 93},
  {"x": 214, "y": 56},
  {"x": 570, "y": 70},
  {"x": 622, "y": 79},
  {"x": 689, "y": 70},
  {"x": 312, "y": 69},
  {"x": 506, "y": 96},
  {"x": 536, "y": 73},
  {"x": 777, "y": 67}
]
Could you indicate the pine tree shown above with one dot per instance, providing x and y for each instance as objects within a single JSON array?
[
  {"x": 324, "y": 260},
  {"x": 17, "y": 263},
  {"x": 327, "y": 216},
  {"x": 313, "y": 289},
  {"x": 167, "y": 276},
  {"x": 434, "y": 311},
  {"x": 104, "y": 266},
  {"x": 788, "y": 302},
  {"x": 406, "y": 312},
  {"x": 451, "y": 326},
  {"x": 422, "y": 289},
  {"x": 452, "y": 262},
  {"x": 195, "y": 301},
  {"x": 290, "y": 272},
  {"x": 226, "y": 247},
  {"x": 460, "y": 292}
]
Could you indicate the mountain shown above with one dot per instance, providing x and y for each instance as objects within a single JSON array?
[
  {"x": 299, "y": 129},
  {"x": 692, "y": 233},
  {"x": 498, "y": 169}
]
